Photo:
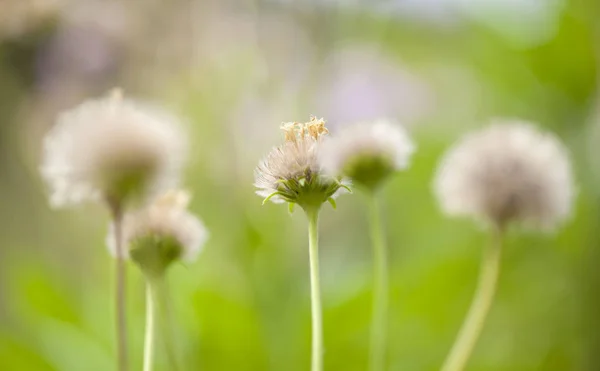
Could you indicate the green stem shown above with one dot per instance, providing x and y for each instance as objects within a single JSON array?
[
  {"x": 482, "y": 301},
  {"x": 150, "y": 329},
  {"x": 315, "y": 291},
  {"x": 121, "y": 323},
  {"x": 158, "y": 313},
  {"x": 380, "y": 290}
]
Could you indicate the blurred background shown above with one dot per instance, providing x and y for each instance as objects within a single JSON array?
[{"x": 235, "y": 70}]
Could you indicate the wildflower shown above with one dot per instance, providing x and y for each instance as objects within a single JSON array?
[
  {"x": 368, "y": 153},
  {"x": 161, "y": 233},
  {"x": 155, "y": 237},
  {"x": 507, "y": 172},
  {"x": 112, "y": 149},
  {"x": 119, "y": 152},
  {"x": 293, "y": 173}
]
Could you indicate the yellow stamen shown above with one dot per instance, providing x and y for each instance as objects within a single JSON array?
[
  {"x": 174, "y": 198},
  {"x": 115, "y": 96},
  {"x": 289, "y": 131},
  {"x": 294, "y": 131},
  {"x": 316, "y": 127}
]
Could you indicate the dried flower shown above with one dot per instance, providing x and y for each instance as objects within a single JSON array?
[
  {"x": 292, "y": 172},
  {"x": 368, "y": 153},
  {"x": 161, "y": 233},
  {"x": 507, "y": 172},
  {"x": 114, "y": 150}
]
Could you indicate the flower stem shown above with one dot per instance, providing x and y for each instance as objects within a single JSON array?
[
  {"x": 157, "y": 313},
  {"x": 380, "y": 291},
  {"x": 121, "y": 322},
  {"x": 315, "y": 291},
  {"x": 150, "y": 330},
  {"x": 166, "y": 327},
  {"x": 482, "y": 301}
]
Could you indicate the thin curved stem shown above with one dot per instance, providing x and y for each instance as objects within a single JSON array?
[
  {"x": 380, "y": 290},
  {"x": 315, "y": 290},
  {"x": 120, "y": 272},
  {"x": 482, "y": 301},
  {"x": 150, "y": 329}
]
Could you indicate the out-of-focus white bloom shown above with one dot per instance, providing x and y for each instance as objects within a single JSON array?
[
  {"x": 161, "y": 233},
  {"x": 293, "y": 173},
  {"x": 507, "y": 172},
  {"x": 114, "y": 150},
  {"x": 368, "y": 153}
]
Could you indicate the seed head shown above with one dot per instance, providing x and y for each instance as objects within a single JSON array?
[
  {"x": 368, "y": 153},
  {"x": 507, "y": 172},
  {"x": 114, "y": 150},
  {"x": 161, "y": 233},
  {"x": 292, "y": 172}
]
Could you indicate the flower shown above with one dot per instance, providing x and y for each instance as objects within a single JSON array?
[
  {"x": 363, "y": 84},
  {"x": 112, "y": 149},
  {"x": 507, "y": 172},
  {"x": 368, "y": 153},
  {"x": 292, "y": 172},
  {"x": 160, "y": 233}
]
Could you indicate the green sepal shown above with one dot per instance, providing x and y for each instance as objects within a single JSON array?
[
  {"x": 291, "y": 206},
  {"x": 276, "y": 193},
  {"x": 342, "y": 185},
  {"x": 332, "y": 202},
  {"x": 154, "y": 253}
]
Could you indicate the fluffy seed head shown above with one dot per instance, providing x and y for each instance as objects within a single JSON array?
[
  {"x": 114, "y": 150},
  {"x": 293, "y": 173},
  {"x": 507, "y": 172},
  {"x": 368, "y": 153},
  {"x": 161, "y": 233}
]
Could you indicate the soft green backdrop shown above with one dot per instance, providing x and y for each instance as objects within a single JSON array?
[{"x": 235, "y": 70}]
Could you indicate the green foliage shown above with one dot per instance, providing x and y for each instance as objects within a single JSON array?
[{"x": 244, "y": 305}]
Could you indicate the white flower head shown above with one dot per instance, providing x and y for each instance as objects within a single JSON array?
[
  {"x": 368, "y": 153},
  {"x": 161, "y": 233},
  {"x": 112, "y": 149},
  {"x": 507, "y": 172},
  {"x": 293, "y": 173}
]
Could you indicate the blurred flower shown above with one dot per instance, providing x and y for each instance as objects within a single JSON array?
[
  {"x": 21, "y": 16},
  {"x": 161, "y": 233},
  {"x": 292, "y": 172},
  {"x": 361, "y": 84},
  {"x": 507, "y": 172},
  {"x": 368, "y": 153},
  {"x": 86, "y": 49},
  {"x": 113, "y": 150}
]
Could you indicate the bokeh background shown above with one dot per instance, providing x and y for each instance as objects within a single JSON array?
[{"x": 235, "y": 70}]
